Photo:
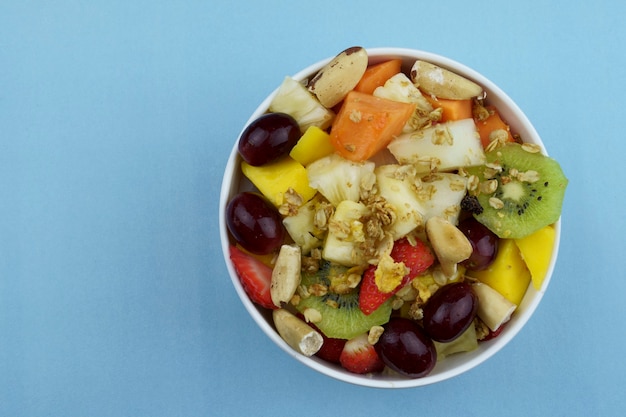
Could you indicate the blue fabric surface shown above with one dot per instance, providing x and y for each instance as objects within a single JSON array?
[{"x": 116, "y": 121}]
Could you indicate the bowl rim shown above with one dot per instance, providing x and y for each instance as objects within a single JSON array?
[{"x": 469, "y": 360}]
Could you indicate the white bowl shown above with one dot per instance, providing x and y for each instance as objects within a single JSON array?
[{"x": 455, "y": 364}]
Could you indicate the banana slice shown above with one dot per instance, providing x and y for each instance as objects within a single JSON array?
[
  {"x": 493, "y": 309},
  {"x": 299, "y": 335},
  {"x": 285, "y": 275}
]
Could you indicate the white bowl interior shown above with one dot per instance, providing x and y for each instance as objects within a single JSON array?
[{"x": 454, "y": 365}]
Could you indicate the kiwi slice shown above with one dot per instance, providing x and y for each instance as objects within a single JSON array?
[
  {"x": 341, "y": 316},
  {"x": 519, "y": 190}
]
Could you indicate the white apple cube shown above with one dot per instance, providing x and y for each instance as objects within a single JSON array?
[{"x": 442, "y": 147}]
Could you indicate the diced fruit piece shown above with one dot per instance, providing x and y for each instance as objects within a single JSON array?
[
  {"x": 376, "y": 75},
  {"x": 346, "y": 234},
  {"x": 275, "y": 179},
  {"x": 294, "y": 99},
  {"x": 441, "y": 195},
  {"x": 360, "y": 357},
  {"x": 370, "y": 297},
  {"x": 443, "y": 83},
  {"x": 491, "y": 334},
  {"x": 536, "y": 250},
  {"x": 267, "y": 259},
  {"x": 254, "y": 275},
  {"x": 302, "y": 227},
  {"x": 314, "y": 144},
  {"x": 255, "y": 223},
  {"x": 450, "y": 311},
  {"x": 400, "y": 88},
  {"x": 341, "y": 317},
  {"x": 452, "y": 109},
  {"x": 466, "y": 342},
  {"x": 339, "y": 179},
  {"x": 268, "y": 138},
  {"x": 493, "y": 308},
  {"x": 378, "y": 284},
  {"x": 415, "y": 198},
  {"x": 405, "y": 348},
  {"x": 339, "y": 76},
  {"x": 443, "y": 147},
  {"x": 508, "y": 274},
  {"x": 299, "y": 335},
  {"x": 397, "y": 184},
  {"x": 286, "y": 274},
  {"x": 366, "y": 124},
  {"x": 520, "y": 190},
  {"x": 490, "y": 125},
  {"x": 417, "y": 257}
]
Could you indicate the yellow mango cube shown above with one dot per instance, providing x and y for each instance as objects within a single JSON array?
[
  {"x": 313, "y": 145},
  {"x": 507, "y": 274},
  {"x": 536, "y": 251},
  {"x": 274, "y": 179}
]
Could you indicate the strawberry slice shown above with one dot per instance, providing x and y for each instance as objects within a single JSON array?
[
  {"x": 254, "y": 275},
  {"x": 359, "y": 357},
  {"x": 370, "y": 297},
  {"x": 417, "y": 258}
]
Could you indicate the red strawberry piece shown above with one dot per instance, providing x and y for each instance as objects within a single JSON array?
[
  {"x": 254, "y": 275},
  {"x": 417, "y": 258},
  {"x": 370, "y": 297},
  {"x": 492, "y": 334},
  {"x": 359, "y": 357},
  {"x": 331, "y": 349}
]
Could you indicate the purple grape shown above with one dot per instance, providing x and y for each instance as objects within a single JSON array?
[
  {"x": 484, "y": 244},
  {"x": 406, "y": 349},
  {"x": 255, "y": 223},
  {"x": 268, "y": 138},
  {"x": 450, "y": 311}
]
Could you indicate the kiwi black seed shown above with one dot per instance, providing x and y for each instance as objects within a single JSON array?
[
  {"x": 529, "y": 193},
  {"x": 341, "y": 316}
]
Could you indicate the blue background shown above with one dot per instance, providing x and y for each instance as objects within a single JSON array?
[{"x": 116, "y": 120}]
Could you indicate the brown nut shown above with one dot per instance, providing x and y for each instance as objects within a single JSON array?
[
  {"x": 299, "y": 335},
  {"x": 286, "y": 274},
  {"x": 450, "y": 244},
  {"x": 443, "y": 83},
  {"x": 333, "y": 82}
]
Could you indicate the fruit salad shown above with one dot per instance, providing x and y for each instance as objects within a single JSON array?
[{"x": 392, "y": 218}]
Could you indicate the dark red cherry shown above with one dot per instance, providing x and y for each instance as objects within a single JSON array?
[
  {"x": 255, "y": 223},
  {"x": 268, "y": 138},
  {"x": 405, "y": 348},
  {"x": 450, "y": 311}
]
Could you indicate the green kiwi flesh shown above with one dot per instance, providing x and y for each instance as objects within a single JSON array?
[
  {"x": 341, "y": 316},
  {"x": 529, "y": 193}
]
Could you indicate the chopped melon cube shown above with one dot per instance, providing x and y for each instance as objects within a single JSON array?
[
  {"x": 507, "y": 274},
  {"x": 442, "y": 147},
  {"x": 301, "y": 225},
  {"x": 293, "y": 98},
  {"x": 313, "y": 145},
  {"x": 536, "y": 251},
  {"x": 275, "y": 179},
  {"x": 346, "y": 235}
]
